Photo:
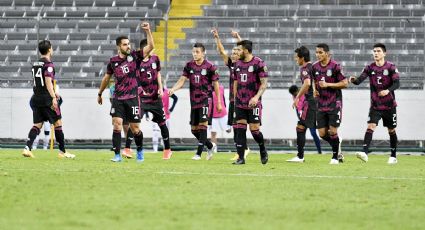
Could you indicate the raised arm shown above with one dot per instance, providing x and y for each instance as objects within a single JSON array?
[
  {"x": 220, "y": 46},
  {"x": 236, "y": 35},
  {"x": 150, "y": 46}
]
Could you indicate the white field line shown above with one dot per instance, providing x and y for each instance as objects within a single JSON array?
[{"x": 3, "y": 171}]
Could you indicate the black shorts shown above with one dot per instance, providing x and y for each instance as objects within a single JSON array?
[
  {"x": 128, "y": 109},
  {"x": 389, "y": 117},
  {"x": 330, "y": 118},
  {"x": 157, "y": 110},
  {"x": 307, "y": 116},
  {"x": 231, "y": 114},
  {"x": 42, "y": 114},
  {"x": 200, "y": 115},
  {"x": 252, "y": 116}
]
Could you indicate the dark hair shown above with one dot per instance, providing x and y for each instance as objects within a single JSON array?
[
  {"x": 246, "y": 44},
  {"x": 324, "y": 46},
  {"x": 119, "y": 39},
  {"x": 293, "y": 89},
  {"x": 303, "y": 52},
  {"x": 199, "y": 45},
  {"x": 380, "y": 45},
  {"x": 44, "y": 47},
  {"x": 143, "y": 43}
]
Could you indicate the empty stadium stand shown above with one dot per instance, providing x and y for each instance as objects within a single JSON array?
[{"x": 83, "y": 34}]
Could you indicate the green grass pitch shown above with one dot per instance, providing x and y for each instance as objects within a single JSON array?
[{"x": 90, "y": 192}]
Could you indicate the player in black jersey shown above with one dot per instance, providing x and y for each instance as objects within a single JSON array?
[{"x": 45, "y": 101}]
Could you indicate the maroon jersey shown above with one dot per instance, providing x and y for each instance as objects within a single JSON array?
[
  {"x": 306, "y": 72},
  {"x": 40, "y": 70},
  {"x": 329, "y": 99},
  {"x": 201, "y": 78},
  {"x": 248, "y": 75},
  {"x": 231, "y": 67},
  {"x": 148, "y": 79},
  {"x": 381, "y": 78},
  {"x": 125, "y": 74}
]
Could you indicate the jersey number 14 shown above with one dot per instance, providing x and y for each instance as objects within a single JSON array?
[{"x": 36, "y": 74}]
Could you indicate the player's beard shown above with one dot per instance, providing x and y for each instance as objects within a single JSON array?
[{"x": 125, "y": 52}]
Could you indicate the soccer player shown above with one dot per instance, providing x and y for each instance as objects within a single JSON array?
[
  {"x": 125, "y": 104},
  {"x": 127, "y": 152},
  {"x": 229, "y": 61},
  {"x": 151, "y": 92},
  {"x": 203, "y": 77},
  {"x": 304, "y": 103},
  {"x": 45, "y": 101},
  {"x": 329, "y": 80},
  {"x": 249, "y": 85},
  {"x": 384, "y": 80}
]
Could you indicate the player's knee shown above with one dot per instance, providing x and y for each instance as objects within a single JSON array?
[
  {"x": 300, "y": 129},
  {"x": 368, "y": 130},
  {"x": 391, "y": 131},
  {"x": 254, "y": 126},
  {"x": 58, "y": 123},
  {"x": 371, "y": 126}
]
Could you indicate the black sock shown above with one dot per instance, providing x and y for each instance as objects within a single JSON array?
[
  {"x": 327, "y": 138},
  {"x": 195, "y": 133},
  {"x": 241, "y": 140},
  {"x": 335, "y": 146},
  {"x": 60, "y": 138},
  {"x": 116, "y": 141},
  {"x": 129, "y": 138},
  {"x": 258, "y": 137},
  {"x": 138, "y": 139},
  {"x": 203, "y": 136},
  {"x": 367, "y": 140},
  {"x": 34, "y": 131},
  {"x": 393, "y": 143},
  {"x": 165, "y": 135},
  {"x": 300, "y": 142}
]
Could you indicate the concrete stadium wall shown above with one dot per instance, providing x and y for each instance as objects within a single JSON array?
[{"x": 83, "y": 118}]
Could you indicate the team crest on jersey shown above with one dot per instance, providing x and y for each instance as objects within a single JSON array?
[
  {"x": 203, "y": 72},
  {"x": 385, "y": 72},
  {"x": 329, "y": 73},
  {"x": 154, "y": 65},
  {"x": 50, "y": 69},
  {"x": 305, "y": 73},
  {"x": 129, "y": 58},
  {"x": 251, "y": 69}
]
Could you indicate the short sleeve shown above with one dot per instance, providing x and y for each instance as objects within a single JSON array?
[
  {"x": 262, "y": 69},
  {"x": 214, "y": 73}
]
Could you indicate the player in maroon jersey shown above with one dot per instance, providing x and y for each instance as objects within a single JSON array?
[
  {"x": 329, "y": 80},
  {"x": 249, "y": 85},
  {"x": 151, "y": 93},
  {"x": 384, "y": 79},
  {"x": 306, "y": 111},
  {"x": 203, "y": 78},
  {"x": 230, "y": 61},
  {"x": 125, "y": 104},
  {"x": 45, "y": 101}
]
